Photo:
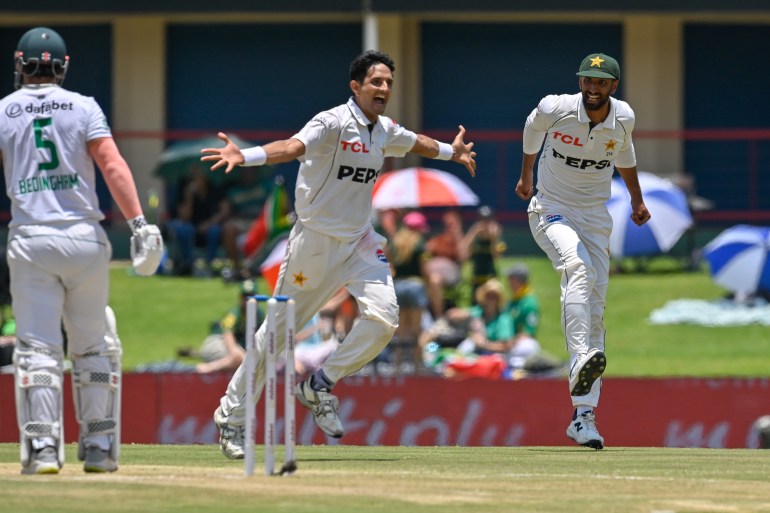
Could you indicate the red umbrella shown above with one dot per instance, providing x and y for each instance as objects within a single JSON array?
[{"x": 416, "y": 187}]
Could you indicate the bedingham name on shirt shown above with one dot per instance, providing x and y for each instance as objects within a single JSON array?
[{"x": 48, "y": 183}]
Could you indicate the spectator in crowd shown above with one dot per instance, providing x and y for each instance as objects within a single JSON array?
[
  {"x": 492, "y": 339},
  {"x": 7, "y": 339},
  {"x": 225, "y": 348},
  {"x": 315, "y": 343},
  {"x": 443, "y": 269},
  {"x": 525, "y": 353},
  {"x": 388, "y": 222},
  {"x": 447, "y": 339},
  {"x": 245, "y": 200},
  {"x": 200, "y": 216},
  {"x": 342, "y": 310},
  {"x": 7, "y": 322},
  {"x": 407, "y": 257},
  {"x": 487, "y": 330},
  {"x": 489, "y": 313},
  {"x": 483, "y": 245}
]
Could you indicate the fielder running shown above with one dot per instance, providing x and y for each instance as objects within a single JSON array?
[
  {"x": 58, "y": 255},
  {"x": 333, "y": 244},
  {"x": 586, "y": 136}
]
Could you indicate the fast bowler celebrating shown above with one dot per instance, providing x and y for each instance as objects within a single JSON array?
[{"x": 333, "y": 245}]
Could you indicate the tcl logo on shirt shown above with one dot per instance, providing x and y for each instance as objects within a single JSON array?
[
  {"x": 567, "y": 139},
  {"x": 355, "y": 146}
]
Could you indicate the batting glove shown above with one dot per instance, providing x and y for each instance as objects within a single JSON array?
[{"x": 146, "y": 246}]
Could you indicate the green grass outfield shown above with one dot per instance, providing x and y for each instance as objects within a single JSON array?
[
  {"x": 341, "y": 479},
  {"x": 157, "y": 315}
]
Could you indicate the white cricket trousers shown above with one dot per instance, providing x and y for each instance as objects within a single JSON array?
[
  {"x": 59, "y": 274},
  {"x": 314, "y": 269},
  {"x": 577, "y": 241}
]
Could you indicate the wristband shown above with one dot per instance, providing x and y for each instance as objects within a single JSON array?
[
  {"x": 136, "y": 223},
  {"x": 255, "y": 156},
  {"x": 445, "y": 151}
]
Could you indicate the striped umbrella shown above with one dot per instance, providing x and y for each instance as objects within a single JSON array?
[
  {"x": 738, "y": 258},
  {"x": 670, "y": 212},
  {"x": 416, "y": 187}
]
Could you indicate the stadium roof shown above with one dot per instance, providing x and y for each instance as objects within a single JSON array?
[{"x": 381, "y": 6}]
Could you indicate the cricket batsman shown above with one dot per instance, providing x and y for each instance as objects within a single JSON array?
[{"x": 58, "y": 256}]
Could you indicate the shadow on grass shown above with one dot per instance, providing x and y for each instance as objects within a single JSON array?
[
  {"x": 576, "y": 450},
  {"x": 355, "y": 460},
  {"x": 658, "y": 265}
]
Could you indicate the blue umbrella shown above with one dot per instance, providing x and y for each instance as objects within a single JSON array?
[
  {"x": 670, "y": 212},
  {"x": 738, "y": 258}
]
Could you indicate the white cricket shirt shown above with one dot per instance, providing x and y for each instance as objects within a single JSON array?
[
  {"x": 342, "y": 161},
  {"x": 49, "y": 174},
  {"x": 577, "y": 162}
]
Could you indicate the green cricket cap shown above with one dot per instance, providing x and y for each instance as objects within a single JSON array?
[{"x": 599, "y": 65}]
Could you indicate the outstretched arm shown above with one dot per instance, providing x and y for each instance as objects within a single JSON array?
[
  {"x": 462, "y": 153},
  {"x": 230, "y": 155}
]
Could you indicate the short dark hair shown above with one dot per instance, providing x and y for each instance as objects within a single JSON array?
[
  {"x": 361, "y": 64},
  {"x": 38, "y": 69}
]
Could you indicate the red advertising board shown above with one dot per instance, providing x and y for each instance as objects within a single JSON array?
[{"x": 671, "y": 412}]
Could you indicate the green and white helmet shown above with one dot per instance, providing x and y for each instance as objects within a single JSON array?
[{"x": 41, "y": 52}]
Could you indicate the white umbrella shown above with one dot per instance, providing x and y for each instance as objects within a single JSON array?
[
  {"x": 738, "y": 258},
  {"x": 416, "y": 187},
  {"x": 670, "y": 213}
]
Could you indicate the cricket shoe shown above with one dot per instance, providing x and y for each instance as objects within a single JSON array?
[
  {"x": 43, "y": 461},
  {"x": 98, "y": 460},
  {"x": 585, "y": 371},
  {"x": 583, "y": 431},
  {"x": 231, "y": 436},
  {"x": 324, "y": 407}
]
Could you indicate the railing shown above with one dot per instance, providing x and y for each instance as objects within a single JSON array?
[{"x": 502, "y": 149}]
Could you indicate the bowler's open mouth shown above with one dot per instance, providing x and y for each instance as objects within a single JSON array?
[{"x": 593, "y": 98}]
